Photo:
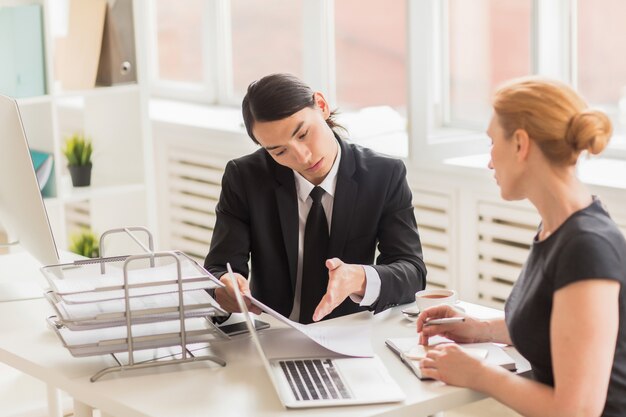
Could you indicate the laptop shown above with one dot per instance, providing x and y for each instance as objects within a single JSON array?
[{"x": 323, "y": 381}]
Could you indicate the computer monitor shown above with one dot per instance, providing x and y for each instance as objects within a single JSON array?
[{"x": 22, "y": 212}]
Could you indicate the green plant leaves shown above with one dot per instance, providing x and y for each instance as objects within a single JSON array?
[
  {"x": 78, "y": 149},
  {"x": 85, "y": 243}
]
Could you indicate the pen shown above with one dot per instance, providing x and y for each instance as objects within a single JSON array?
[{"x": 448, "y": 320}]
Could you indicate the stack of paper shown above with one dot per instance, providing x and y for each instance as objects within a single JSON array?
[{"x": 94, "y": 302}]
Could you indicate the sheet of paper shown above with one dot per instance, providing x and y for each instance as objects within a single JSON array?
[
  {"x": 419, "y": 352},
  {"x": 350, "y": 340},
  {"x": 409, "y": 349},
  {"x": 85, "y": 283},
  {"x": 148, "y": 305}
]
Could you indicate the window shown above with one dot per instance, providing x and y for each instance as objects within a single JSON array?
[
  {"x": 489, "y": 42},
  {"x": 370, "y": 54},
  {"x": 363, "y": 53},
  {"x": 179, "y": 40},
  {"x": 601, "y": 63},
  {"x": 266, "y": 38}
]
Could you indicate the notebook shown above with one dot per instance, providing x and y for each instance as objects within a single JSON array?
[
  {"x": 322, "y": 381},
  {"x": 411, "y": 352}
]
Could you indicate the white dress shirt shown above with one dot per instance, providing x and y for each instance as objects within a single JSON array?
[{"x": 303, "y": 189}]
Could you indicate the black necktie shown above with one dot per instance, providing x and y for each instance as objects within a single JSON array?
[{"x": 314, "y": 271}]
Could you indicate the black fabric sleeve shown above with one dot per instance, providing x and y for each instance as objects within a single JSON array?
[
  {"x": 231, "y": 233},
  {"x": 400, "y": 264},
  {"x": 587, "y": 256}
]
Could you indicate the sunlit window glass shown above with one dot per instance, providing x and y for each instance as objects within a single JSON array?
[
  {"x": 370, "y": 45},
  {"x": 602, "y": 58},
  {"x": 489, "y": 42},
  {"x": 179, "y": 37},
  {"x": 267, "y": 38}
]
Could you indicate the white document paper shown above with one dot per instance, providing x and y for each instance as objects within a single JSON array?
[
  {"x": 350, "y": 339},
  {"x": 411, "y": 352},
  {"x": 86, "y": 284}
]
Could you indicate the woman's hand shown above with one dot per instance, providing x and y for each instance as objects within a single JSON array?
[
  {"x": 469, "y": 331},
  {"x": 450, "y": 364}
]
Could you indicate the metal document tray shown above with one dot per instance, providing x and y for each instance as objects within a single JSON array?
[
  {"x": 145, "y": 336},
  {"x": 146, "y": 309},
  {"x": 125, "y": 304},
  {"x": 102, "y": 279}
]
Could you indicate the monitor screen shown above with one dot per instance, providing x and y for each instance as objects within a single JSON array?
[{"x": 22, "y": 212}]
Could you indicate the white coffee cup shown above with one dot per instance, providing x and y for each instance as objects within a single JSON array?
[{"x": 435, "y": 297}]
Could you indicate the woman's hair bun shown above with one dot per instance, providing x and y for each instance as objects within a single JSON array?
[{"x": 589, "y": 130}]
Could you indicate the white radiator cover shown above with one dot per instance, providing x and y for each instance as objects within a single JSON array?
[
  {"x": 433, "y": 212},
  {"x": 472, "y": 240},
  {"x": 193, "y": 189},
  {"x": 505, "y": 234}
]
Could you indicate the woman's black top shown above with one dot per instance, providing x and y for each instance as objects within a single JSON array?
[{"x": 588, "y": 245}]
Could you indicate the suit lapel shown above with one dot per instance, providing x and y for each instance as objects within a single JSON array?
[
  {"x": 288, "y": 212},
  {"x": 345, "y": 200}
]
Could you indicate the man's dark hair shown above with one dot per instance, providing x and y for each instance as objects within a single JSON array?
[{"x": 275, "y": 97}]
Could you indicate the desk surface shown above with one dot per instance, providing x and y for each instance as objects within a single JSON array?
[{"x": 242, "y": 388}]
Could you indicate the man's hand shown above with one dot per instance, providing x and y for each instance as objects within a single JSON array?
[
  {"x": 343, "y": 280},
  {"x": 226, "y": 296}
]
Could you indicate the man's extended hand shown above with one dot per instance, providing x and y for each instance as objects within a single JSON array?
[
  {"x": 343, "y": 280},
  {"x": 226, "y": 296}
]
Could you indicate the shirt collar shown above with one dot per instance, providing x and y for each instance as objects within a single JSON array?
[{"x": 304, "y": 187}]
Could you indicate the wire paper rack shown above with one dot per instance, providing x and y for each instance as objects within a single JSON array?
[{"x": 121, "y": 305}]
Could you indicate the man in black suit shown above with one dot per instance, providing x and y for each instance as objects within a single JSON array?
[{"x": 308, "y": 209}]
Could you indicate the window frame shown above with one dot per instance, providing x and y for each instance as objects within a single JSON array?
[{"x": 431, "y": 137}]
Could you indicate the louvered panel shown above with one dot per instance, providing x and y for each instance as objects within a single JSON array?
[
  {"x": 194, "y": 178},
  {"x": 197, "y": 173},
  {"x": 202, "y": 220},
  {"x": 187, "y": 157},
  {"x": 527, "y": 217},
  {"x": 437, "y": 276},
  {"x": 432, "y": 211},
  {"x": 431, "y": 201},
  {"x": 434, "y": 238},
  {"x": 506, "y": 232},
  {"x": 439, "y": 257},
  {"x": 494, "y": 289},
  {"x": 496, "y": 303},
  {"x": 192, "y": 232},
  {"x": 195, "y": 187},
  {"x": 194, "y": 202},
  {"x": 504, "y": 238},
  {"x": 194, "y": 249},
  {"x": 499, "y": 271},
  {"x": 432, "y": 219},
  {"x": 77, "y": 216},
  {"x": 502, "y": 252}
]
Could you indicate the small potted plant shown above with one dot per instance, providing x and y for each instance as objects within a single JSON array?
[
  {"x": 85, "y": 243},
  {"x": 77, "y": 150}
]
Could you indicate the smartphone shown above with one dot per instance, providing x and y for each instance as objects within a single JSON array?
[{"x": 239, "y": 328}]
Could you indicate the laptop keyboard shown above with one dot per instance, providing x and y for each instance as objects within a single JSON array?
[{"x": 314, "y": 379}]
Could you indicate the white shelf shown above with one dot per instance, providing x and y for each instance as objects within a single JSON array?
[
  {"x": 28, "y": 101},
  {"x": 99, "y": 90},
  {"x": 116, "y": 119},
  {"x": 73, "y": 194}
]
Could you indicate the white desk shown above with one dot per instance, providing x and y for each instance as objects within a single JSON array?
[{"x": 240, "y": 389}]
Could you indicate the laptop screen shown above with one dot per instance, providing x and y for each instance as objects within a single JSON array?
[{"x": 249, "y": 323}]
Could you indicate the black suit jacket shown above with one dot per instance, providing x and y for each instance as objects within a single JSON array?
[{"x": 257, "y": 220}]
